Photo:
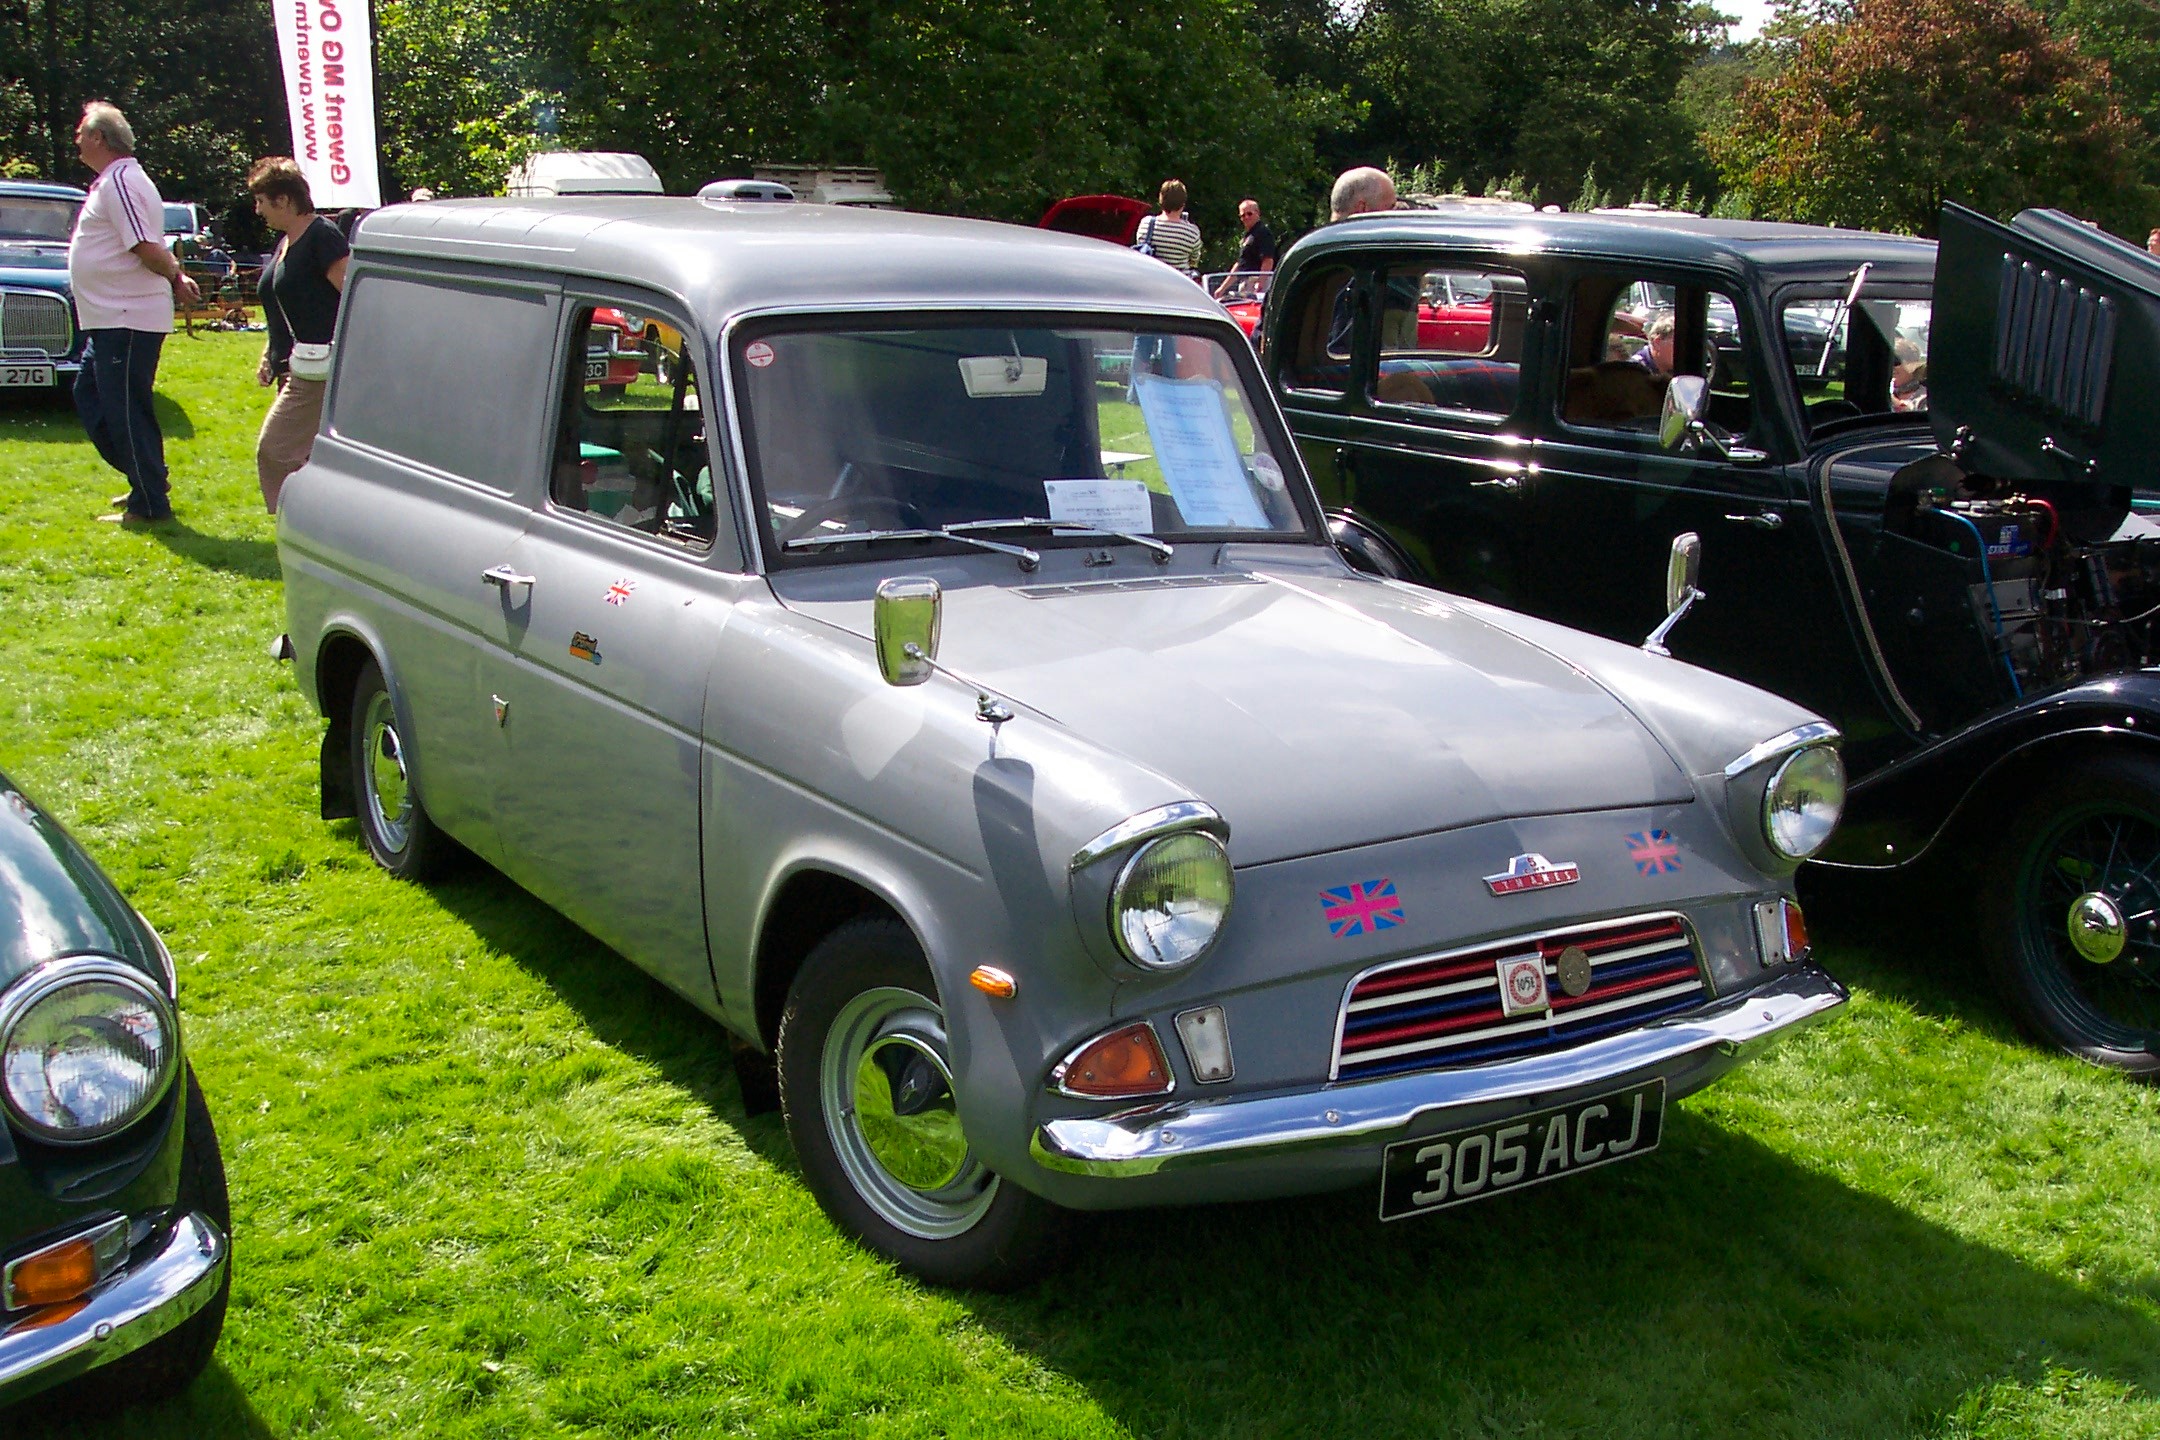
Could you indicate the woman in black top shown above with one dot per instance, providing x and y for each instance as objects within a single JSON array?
[{"x": 301, "y": 287}]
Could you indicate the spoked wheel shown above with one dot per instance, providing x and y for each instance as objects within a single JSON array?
[
  {"x": 867, "y": 1087},
  {"x": 2074, "y": 936},
  {"x": 399, "y": 833}
]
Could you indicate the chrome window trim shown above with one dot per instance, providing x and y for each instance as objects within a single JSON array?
[
  {"x": 35, "y": 984},
  {"x": 1815, "y": 732},
  {"x": 1525, "y": 939},
  {"x": 1150, "y": 824}
]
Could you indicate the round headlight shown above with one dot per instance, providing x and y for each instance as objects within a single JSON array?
[
  {"x": 1804, "y": 800},
  {"x": 84, "y": 1052},
  {"x": 1171, "y": 900}
]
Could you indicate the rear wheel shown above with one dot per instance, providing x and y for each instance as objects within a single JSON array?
[
  {"x": 866, "y": 1086},
  {"x": 399, "y": 834},
  {"x": 2071, "y": 917}
]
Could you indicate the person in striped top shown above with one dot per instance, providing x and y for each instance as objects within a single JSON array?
[{"x": 1170, "y": 237}]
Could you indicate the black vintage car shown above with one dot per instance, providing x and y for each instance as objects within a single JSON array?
[
  {"x": 113, "y": 1212},
  {"x": 1910, "y": 474}
]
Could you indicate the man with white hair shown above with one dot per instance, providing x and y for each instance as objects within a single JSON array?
[
  {"x": 124, "y": 281},
  {"x": 1359, "y": 191}
]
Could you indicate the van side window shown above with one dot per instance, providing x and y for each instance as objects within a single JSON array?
[
  {"x": 1451, "y": 339},
  {"x": 630, "y": 448},
  {"x": 1319, "y": 338},
  {"x": 447, "y": 383}
]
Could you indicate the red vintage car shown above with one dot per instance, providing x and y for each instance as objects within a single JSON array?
[
  {"x": 1114, "y": 218},
  {"x": 614, "y": 351}
]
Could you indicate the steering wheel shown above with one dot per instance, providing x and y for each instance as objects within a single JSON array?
[{"x": 905, "y": 514}]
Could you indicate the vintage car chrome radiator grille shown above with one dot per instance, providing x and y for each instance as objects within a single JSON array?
[
  {"x": 33, "y": 321},
  {"x": 1444, "y": 1010}
]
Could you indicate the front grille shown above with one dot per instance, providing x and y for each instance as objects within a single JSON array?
[
  {"x": 32, "y": 320},
  {"x": 1444, "y": 1010}
]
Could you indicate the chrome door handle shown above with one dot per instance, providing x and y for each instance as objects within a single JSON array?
[
  {"x": 1508, "y": 483},
  {"x": 503, "y": 577},
  {"x": 1761, "y": 520}
]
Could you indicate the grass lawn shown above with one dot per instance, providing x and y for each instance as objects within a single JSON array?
[{"x": 488, "y": 1181}]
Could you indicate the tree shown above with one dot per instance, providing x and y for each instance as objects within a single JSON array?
[
  {"x": 1877, "y": 120},
  {"x": 199, "y": 83},
  {"x": 1537, "y": 88}
]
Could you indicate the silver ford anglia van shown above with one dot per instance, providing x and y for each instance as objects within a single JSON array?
[{"x": 935, "y": 667}]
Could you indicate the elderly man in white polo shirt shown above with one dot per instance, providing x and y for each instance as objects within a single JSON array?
[{"x": 124, "y": 281}]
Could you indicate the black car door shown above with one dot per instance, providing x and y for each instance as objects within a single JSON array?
[
  {"x": 1404, "y": 379},
  {"x": 1615, "y": 497}
]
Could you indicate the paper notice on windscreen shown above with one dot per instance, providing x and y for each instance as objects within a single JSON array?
[
  {"x": 1120, "y": 505},
  {"x": 1198, "y": 454}
]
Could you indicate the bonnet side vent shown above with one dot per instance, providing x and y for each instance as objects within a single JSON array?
[{"x": 2054, "y": 341}]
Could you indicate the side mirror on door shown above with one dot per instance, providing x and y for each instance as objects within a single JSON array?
[
  {"x": 1682, "y": 570},
  {"x": 1687, "y": 399},
  {"x": 904, "y": 622}
]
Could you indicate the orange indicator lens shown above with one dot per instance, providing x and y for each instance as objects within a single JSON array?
[
  {"x": 61, "y": 1273},
  {"x": 1125, "y": 1064},
  {"x": 1796, "y": 941},
  {"x": 993, "y": 981}
]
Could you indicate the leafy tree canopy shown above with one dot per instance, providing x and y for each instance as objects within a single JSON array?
[{"x": 1877, "y": 119}]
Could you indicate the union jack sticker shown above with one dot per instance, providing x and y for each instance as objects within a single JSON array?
[
  {"x": 619, "y": 592},
  {"x": 1654, "y": 852},
  {"x": 1363, "y": 908}
]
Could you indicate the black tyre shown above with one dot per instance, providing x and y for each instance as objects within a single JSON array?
[
  {"x": 2070, "y": 917},
  {"x": 866, "y": 1088},
  {"x": 399, "y": 834},
  {"x": 170, "y": 1363}
]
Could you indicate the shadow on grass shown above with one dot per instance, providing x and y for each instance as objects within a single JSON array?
[
  {"x": 50, "y": 416},
  {"x": 1714, "y": 1287},
  {"x": 1894, "y": 934},
  {"x": 232, "y": 555},
  {"x": 214, "y": 1405}
]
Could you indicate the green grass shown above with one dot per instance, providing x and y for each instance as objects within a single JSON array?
[{"x": 488, "y": 1181}]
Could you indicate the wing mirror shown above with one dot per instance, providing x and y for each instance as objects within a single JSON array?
[
  {"x": 1682, "y": 570},
  {"x": 1687, "y": 398},
  {"x": 1681, "y": 426},
  {"x": 904, "y": 623}
]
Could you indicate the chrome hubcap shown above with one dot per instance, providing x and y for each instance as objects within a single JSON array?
[
  {"x": 2098, "y": 931},
  {"x": 389, "y": 790},
  {"x": 887, "y": 1091}
]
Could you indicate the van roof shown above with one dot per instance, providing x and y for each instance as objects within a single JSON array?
[{"x": 726, "y": 258}]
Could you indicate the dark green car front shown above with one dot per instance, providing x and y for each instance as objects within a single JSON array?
[{"x": 113, "y": 1212}]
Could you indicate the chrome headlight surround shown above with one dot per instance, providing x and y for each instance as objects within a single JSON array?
[
  {"x": 118, "y": 1009},
  {"x": 1803, "y": 801},
  {"x": 1171, "y": 900}
]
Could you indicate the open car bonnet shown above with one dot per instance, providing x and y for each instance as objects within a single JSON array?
[{"x": 2045, "y": 350}]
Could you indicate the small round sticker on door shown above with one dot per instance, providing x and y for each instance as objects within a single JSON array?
[{"x": 759, "y": 354}]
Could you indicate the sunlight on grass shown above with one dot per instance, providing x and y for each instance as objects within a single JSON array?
[{"x": 489, "y": 1182}]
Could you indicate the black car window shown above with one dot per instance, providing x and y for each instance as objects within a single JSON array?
[
  {"x": 1451, "y": 338},
  {"x": 1842, "y": 369},
  {"x": 1629, "y": 335},
  {"x": 630, "y": 448},
  {"x": 1322, "y": 316}
]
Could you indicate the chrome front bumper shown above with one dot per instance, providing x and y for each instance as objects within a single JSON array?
[
  {"x": 1180, "y": 1134},
  {"x": 148, "y": 1298}
]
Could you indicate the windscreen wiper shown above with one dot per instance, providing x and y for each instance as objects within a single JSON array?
[
  {"x": 1028, "y": 558},
  {"x": 1163, "y": 551}
]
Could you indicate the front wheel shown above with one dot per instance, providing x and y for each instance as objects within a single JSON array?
[
  {"x": 399, "y": 834},
  {"x": 2071, "y": 916},
  {"x": 866, "y": 1088}
]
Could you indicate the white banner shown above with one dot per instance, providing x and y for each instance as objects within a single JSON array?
[{"x": 329, "y": 56}]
